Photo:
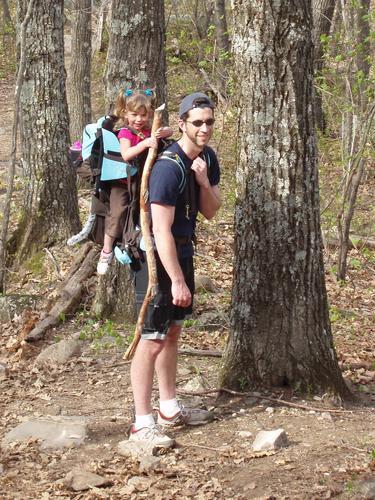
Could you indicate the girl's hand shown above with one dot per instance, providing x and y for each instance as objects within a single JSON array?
[
  {"x": 150, "y": 142},
  {"x": 164, "y": 132}
]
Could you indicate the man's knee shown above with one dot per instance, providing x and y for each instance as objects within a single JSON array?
[
  {"x": 151, "y": 348},
  {"x": 174, "y": 332}
]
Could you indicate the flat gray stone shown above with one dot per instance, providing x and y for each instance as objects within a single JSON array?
[
  {"x": 148, "y": 464},
  {"x": 81, "y": 480},
  {"x": 136, "y": 449},
  {"x": 140, "y": 483},
  {"x": 59, "y": 353},
  {"x": 4, "y": 372},
  {"x": 367, "y": 489},
  {"x": 56, "y": 433},
  {"x": 12, "y": 305},
  {"x": 196, "y": 384},
  {"x": 270, "y": 440}
]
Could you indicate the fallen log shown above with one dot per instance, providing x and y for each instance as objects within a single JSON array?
[
  {"x": 355, "y": 241},
  {"x": 70, "y": 294}
]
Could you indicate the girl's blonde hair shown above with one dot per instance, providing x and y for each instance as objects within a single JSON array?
[{"x": 134, "y": 100}]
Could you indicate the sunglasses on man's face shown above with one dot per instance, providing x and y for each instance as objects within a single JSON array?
[{"x": 199, "y": 123}]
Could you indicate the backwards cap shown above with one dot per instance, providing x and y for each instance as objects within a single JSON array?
[{"x": 196, "y": 100}]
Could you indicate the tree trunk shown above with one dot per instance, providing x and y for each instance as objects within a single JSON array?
[
  {"x": 7, "y": 18},
  {"x": 222, "y": 37},
  {"x": 322, "y": 17},
  {"x": 357, "y": 119},
  {"x": 98, "y": 45},
  {"x": 50, "y": 211},
  {"x": 136, "y": 57},
  {"x": 115, "y": 296},
  {"x": 280, "y": 329},
  {"x": 80, "y": 69}
]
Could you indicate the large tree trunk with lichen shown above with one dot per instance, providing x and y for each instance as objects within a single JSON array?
[
  {"x": 80, "y": 68},
  {"x": 50, "y": 210},
  {"x": 136, "y": 59},
  {"x": 280, "y": 329}
]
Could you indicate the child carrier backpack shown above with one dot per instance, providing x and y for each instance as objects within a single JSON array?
[{"x": 101, "y": 163}]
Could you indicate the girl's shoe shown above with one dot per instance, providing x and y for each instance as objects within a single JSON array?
[{"x": 104, "y": 261}]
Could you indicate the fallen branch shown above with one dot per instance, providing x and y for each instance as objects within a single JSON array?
[
  {"x": 355, "y": 241},
  {"x": 200, "y": 352},
  {"x": 252, "y": 395},
  {"x": 69, "y": 297}
]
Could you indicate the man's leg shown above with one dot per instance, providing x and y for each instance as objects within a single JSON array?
[
  {"x": 142, "y": 374},
  {"x": 166, "y": 364}
]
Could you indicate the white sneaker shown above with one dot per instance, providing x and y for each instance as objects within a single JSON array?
[
  {"x": 104, "y": 261},
  {"x": 152, "y": 435},
  {"x": 185, "y": 416}
]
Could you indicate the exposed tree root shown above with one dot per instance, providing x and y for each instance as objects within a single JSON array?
[{"x": 70, "y": 291}]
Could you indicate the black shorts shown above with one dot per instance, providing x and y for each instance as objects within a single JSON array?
[{"x": 162, "y": 313}]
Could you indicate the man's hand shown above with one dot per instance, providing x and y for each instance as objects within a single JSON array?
[
  {"x": 181, "y": 294},
  {"x": 163, "y": 132},
  {"x": 150, "y": 142},
  {"x": 200, "y": 168}
]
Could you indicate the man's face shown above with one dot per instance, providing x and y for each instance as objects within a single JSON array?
[{"x": 196, "y": 128}]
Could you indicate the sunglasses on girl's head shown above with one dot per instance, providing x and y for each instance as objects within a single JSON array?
[{"x": 199, "y": 123}]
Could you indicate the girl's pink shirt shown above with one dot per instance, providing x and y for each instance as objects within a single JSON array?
[{"x": 134, "y": 139}]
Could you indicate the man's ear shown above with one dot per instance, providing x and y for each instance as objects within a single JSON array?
[{"x": 181, "y": 125}]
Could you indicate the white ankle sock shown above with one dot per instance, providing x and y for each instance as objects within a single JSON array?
[
  {"x": 169, "y": 407},
  {"x": 143, "y": 421}
]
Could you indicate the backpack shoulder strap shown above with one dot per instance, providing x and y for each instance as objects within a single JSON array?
[
  {"x": 168, "y": 155},
  {"x": 135, "y": 132}
]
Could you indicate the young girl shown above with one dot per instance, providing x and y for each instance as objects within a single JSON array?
[{"x": 134, "y": 110}]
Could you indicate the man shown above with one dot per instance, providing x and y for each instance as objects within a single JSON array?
[{"x": 173, "y": 225}]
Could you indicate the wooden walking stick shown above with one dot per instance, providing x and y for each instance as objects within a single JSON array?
[{"x": 146, "y": 233}]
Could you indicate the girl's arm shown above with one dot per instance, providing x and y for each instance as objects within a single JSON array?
[{"x": 128, "y": 152}]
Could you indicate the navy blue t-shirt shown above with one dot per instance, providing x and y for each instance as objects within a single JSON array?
[{"x": 165, "y": 179}]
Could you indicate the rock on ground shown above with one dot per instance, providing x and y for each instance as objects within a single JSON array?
[
  {"x": 59, "y": 353},
  {"x": 270, "y": 440},
  {"x": 54, "y": 433},
  {"x": 3, "y": 371},
  {"x": 13, "y": 305},
  {"x": 80, "y": 480}
]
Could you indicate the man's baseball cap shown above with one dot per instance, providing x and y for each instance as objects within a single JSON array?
[{"x": 196, "y": 100}]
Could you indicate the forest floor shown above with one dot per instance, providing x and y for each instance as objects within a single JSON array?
[{"x": 331, "y": 451}]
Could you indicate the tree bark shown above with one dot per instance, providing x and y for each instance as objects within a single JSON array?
[
  {"x": 322, "y": 17},
  {"x": 50, "y": 211},
  {"x": 80, "y": 69},
  {"x": 280, "y": 329},
  {"x": 136, "y": 57}
]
